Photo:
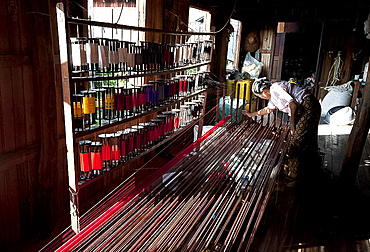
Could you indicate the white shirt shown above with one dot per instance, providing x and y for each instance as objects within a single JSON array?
[{"x": 283, "y": 93}]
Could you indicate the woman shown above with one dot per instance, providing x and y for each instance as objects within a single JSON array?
[{"x": 304, "y": 110}]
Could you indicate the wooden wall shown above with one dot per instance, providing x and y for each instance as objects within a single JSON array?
[
  {"x": 337, "y": 36},
  {"x": 33, "y": 177},
  {"x": 267, "y": 38}
]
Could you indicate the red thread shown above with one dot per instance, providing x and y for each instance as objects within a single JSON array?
[
  {"x": 115, "y": 152},
  {"x": 85, "y": 162},
  {"x": 128, "y": 100},
  {"x": 123, "y": 149},
  {"x": 106, "y": 152},
  {"x": 131, "y": 144},
  {"x": 142, "y": 99},
  {"x": 96, "y": 160},
  {"x": 138, "y": 142}
]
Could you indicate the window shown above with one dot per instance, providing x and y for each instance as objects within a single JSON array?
[
  {"x": 129, "y": 12},
  {"x": 234, "y": 45}
]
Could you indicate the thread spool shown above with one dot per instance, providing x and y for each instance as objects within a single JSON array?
[
  {"x": 100, "y": 103},
  {"x": 142, "y": 98},
  {"x": 145, "y": 55},
  {"x": 207, "y": 49},
  {"x": 135, "y": 99},
  {"x": 89, "y": 107},
  {"x": 191, "y": 83},
  {"x": 93, "y": 59},
  {"x": 79, "y": 61},
  {"x": 167, "y": 90},
  {"x": 122, "y": 55},
  {"x": 139, "y": 58},
  {"x": 198, "y": 108},
  {"x": 191, "y": 111},
  {"x": 124, "y": 145},
  {"x": 96, "y": 158},
  {"x": 157, "y": 130},
  {"x": 154, "y": 93},
  {"x": 163, "y": 126},
  {"x": 131, "y": 142},
  {"x": 152, "y": 133},
  {"x": 172, "y": 89},
  {"x": 115, "y": 142},
  {"x": 177, "y": 87},
  {"x": 113, "y": 55},
  {"x": 130, "y": 56},
  {"x": 146, "y": 128},
  {"x": 181, "y": 85},
  {"x": 184, "y": 111},
  {"x": 103, "y": 55},
  {"x": 85, "y": 159},
  {"x": 160, "y": 91},
  {"x": 119, "y": 102},
  {"x": 109, "y": 103},
  {"x": 176, "y": 120},
  {"x": 148, "y": 89},
  {"x": 127, "y": 93},
  {"x": 106, "y": 151},
  {"x": 169, "y": 122},
  {"x": 78, "y": 115},
  {"x": 139, "y": 138}
]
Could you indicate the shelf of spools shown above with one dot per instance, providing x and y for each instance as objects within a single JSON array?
[
  {"x": 98, "y": 82},
  {"x": 173, "y": 115}
]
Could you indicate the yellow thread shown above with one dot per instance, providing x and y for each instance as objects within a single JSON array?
[
  {"x": 109, "y": 101},
  {"x": 77, "y": 110},
  {"x": 89, "y": 105}
]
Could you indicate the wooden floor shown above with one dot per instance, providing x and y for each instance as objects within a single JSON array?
[{"x": 316, "y": 215}]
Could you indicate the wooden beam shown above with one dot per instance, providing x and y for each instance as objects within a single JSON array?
[
  {"x": 45, "y": 111},
  {"x": 356, "y": 140},
  {"x": 68, "y": 122}
]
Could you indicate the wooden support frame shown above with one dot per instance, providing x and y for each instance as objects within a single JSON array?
[
  {"x": 68, "y": 121},
  {"x": 356, "y": 140},
  {"x": 68, "y": 79}
]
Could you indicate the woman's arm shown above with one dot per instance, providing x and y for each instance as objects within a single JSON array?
[
  {"x": 294, "y": 114},
  {"x": 261, "y": 112}
]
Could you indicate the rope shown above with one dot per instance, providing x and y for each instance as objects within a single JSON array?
[{"x": 334, "y": 72}]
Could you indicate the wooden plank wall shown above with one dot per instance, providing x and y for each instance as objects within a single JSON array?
[
  {"x": 268, "y": 35},
  {"x": 30, "y": 112},
  {"x": 337, "y": 36}
]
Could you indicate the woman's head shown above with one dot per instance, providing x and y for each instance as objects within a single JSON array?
[
  {"x": 261, "y": 88},
  {"x": 259, "y": 85}
]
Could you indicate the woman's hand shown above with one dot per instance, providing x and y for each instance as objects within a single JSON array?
[
  {"x": 249, "y": 114},
  {"x": 261, "y": 112},
  {"x": 294, "y": 114}
]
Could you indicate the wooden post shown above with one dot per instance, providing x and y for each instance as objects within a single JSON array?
[
  {"x": 45, "y": 110},
  {"x": 238, "y": 84},
  {"x": 218, "y": 90},
  {"x": 201, "y": 121},
  {"x": 232, "y": 101},
  {"x": 223, "y": 100},
  {"x": 356, "y": 140},
  {"x": 65, "y": 65}
]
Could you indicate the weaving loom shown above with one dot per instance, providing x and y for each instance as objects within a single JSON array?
[{"x": 210, "y": 197}]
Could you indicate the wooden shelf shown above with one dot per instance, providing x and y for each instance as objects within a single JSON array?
[
  {"x": 126, "y": 120},
  {"x": 90, "y": 188},
  {"x": 134, "y": 28},
  {"x": 145, "y": 152},
  {"x": 136, "y": 75}
]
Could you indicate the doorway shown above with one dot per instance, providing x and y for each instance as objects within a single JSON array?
[{"x": 297, "y": 49}]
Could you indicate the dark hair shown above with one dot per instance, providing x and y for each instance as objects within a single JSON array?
[{"x": 259, "y": 85}]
